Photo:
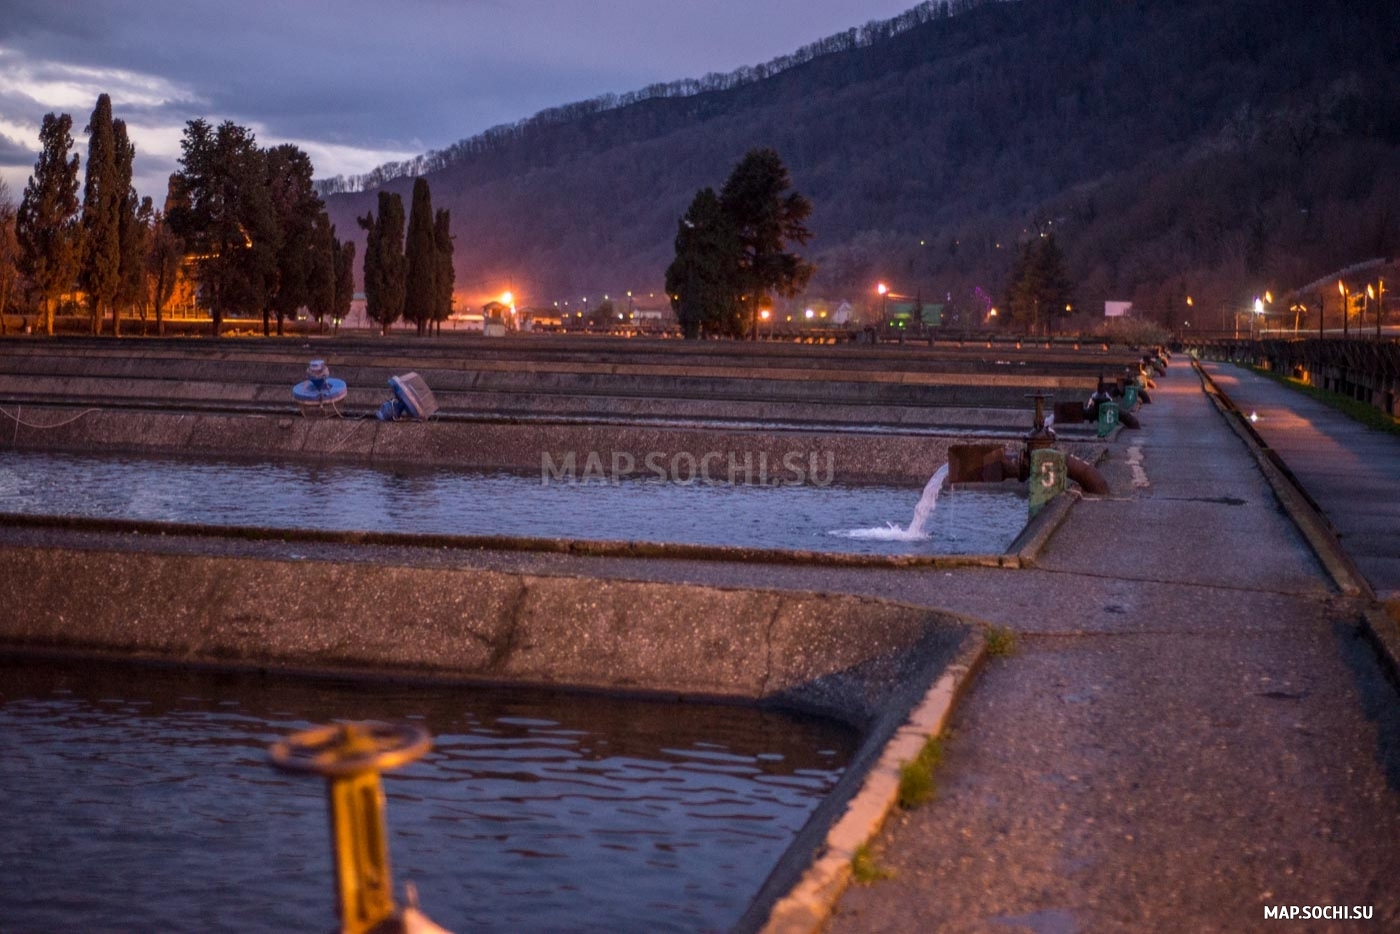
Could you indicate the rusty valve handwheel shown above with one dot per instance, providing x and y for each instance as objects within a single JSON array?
[{"x": 343, "y": 749}]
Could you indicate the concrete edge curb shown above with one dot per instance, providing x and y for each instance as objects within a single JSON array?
[
  {"x": 580, "y": 547},
  {"x": 1314, "y": 526},
  {"x": 1036, "y": 535},
  {"x": 1383, "y": 629},
  {"x": 809, "y": 904},
  {"x": 1316, "y": 529}
]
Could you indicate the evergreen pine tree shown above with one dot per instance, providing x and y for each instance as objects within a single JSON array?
[
  {"x": 766, "y": 217},
  {"x": 1038, "y": 288},
  {"x": 220, "y": 205},
  {"x": 47, "y": 226},
  {"x": 705, "y": 279}
]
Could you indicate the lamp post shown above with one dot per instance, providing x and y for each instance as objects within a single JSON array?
[
  {"x": 1380, "y": 304},
  {"x": 1346, "y": 309},
  {"x": 1370, "y": 294},
  {"x": 884, "y": 291}
]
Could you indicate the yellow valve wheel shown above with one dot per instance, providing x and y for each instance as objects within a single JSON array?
[{"x": 346, "y": 749}]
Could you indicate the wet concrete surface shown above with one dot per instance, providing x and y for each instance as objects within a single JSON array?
[{"x": 1351, "y": 471}]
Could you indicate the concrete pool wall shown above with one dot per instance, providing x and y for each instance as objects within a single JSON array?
[
  {"x": 823, "y": 456},
  {"x": 834, "y": 654},
  {"x": 562, "y": 377}
]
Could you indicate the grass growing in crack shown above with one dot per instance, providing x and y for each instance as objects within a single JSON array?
[
  {"x": 1001, "y": 642},
  {"x": 916, "y": 784},
  {"x": 1368, "y": 415},
  {"x": 864, "y": 869}
]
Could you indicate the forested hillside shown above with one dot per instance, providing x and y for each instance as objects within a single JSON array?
[{"x": 1206, "y": 147}]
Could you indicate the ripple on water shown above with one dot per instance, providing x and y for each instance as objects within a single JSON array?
[
  {"x": 832, "y": 518},
  {"x": 141, "y": 799}
]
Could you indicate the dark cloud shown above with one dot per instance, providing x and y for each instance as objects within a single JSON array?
[{"x": 16, "y": 155}]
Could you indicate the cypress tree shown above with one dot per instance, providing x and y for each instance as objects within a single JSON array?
[
  {"x": 133, "y": 229},
  {"x": 47, "y": 227},
  {"x": 321, "y": 301},
  {"x": 344, "y": 279},
  {"x": 373, "y": 274},
  {"x": 102, "y": 201},
  {"x": 420, "y": 254},
  {"x": 297, "y": 208},
  {"x": 385, "y": 265},
  {"x": 446, "y": 275}
]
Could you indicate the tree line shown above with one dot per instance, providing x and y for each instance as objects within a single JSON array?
[
  {"x": 241, "y": 224},
  {"x": 506, "y": 135},
  {"x": 408, "y": 275}
]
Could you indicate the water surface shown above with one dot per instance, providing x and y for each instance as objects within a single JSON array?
[
  {"x": 364, "y": 498},
  {"x": 140, "y": 799}
]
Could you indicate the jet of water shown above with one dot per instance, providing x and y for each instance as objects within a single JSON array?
[{"x": 918, "y": 526}]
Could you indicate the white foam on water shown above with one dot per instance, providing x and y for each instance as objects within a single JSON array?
[{"x": 917, "y": 530}]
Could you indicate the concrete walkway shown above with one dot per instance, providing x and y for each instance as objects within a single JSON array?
[
  {"x": 1352, "y": 472},
  {"x": 1191, "y": 731}
]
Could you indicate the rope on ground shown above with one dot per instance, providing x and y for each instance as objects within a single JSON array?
[
  {"x": 354, "y": 424},
  {"x": 19, "y": 421}
]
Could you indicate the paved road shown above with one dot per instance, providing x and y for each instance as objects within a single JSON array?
[{"x": 1351, "y": 471}]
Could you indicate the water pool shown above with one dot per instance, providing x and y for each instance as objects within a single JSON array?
[
  {"x": 364, "y": 498},
  {"x": 141, "y": 799}
]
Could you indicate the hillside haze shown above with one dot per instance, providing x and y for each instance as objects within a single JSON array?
[{"x": 1207, "y": 148}]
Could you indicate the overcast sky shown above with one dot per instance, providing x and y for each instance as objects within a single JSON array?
[{"x": 357, "y": 83}]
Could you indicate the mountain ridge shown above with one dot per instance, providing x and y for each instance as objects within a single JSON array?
[{"x": 1172, "y": 148}]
